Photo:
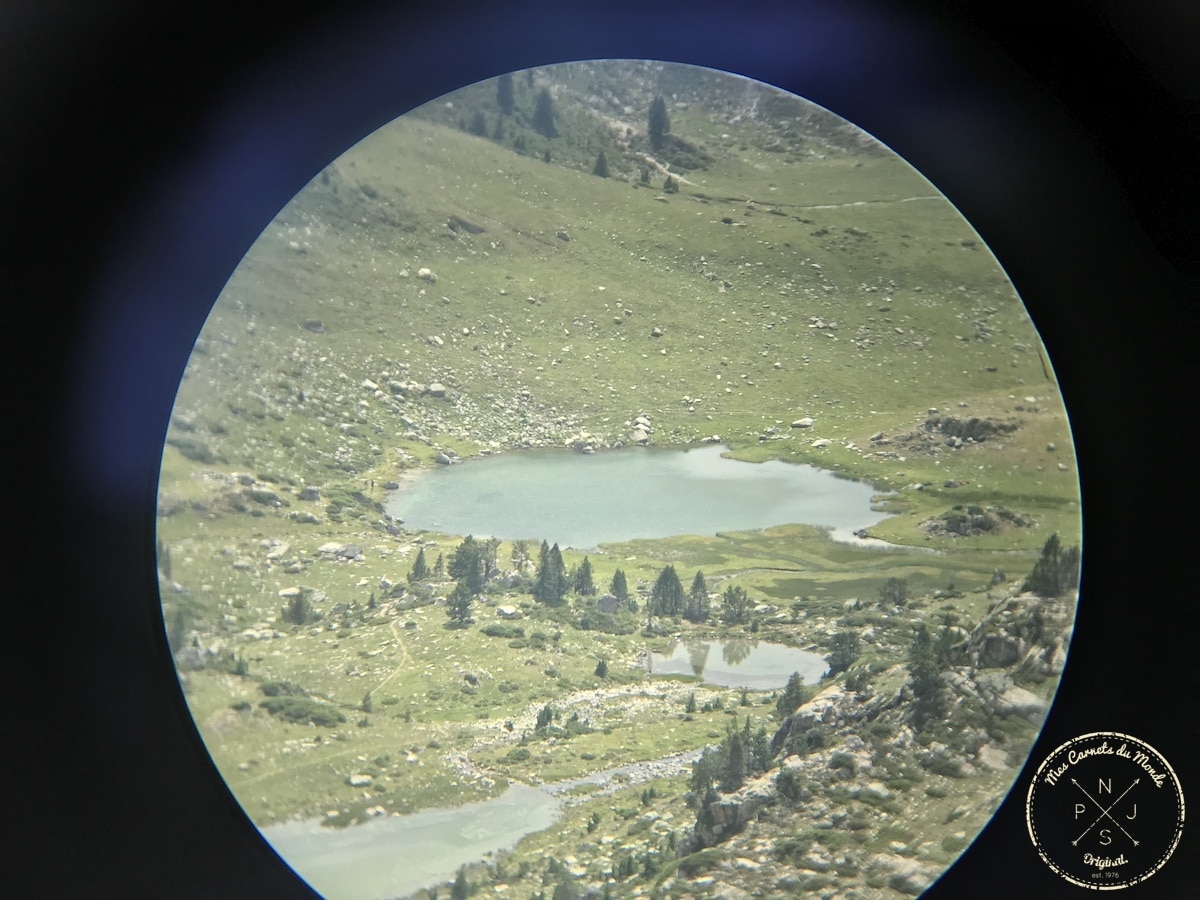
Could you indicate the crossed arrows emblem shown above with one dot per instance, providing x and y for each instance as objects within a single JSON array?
[{"x": 1104, "y": 812}]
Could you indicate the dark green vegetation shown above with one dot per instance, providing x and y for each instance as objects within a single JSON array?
[{"x": 462, "y": 283}]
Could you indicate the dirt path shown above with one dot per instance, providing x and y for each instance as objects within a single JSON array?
[{"x": 406, "y": 660}]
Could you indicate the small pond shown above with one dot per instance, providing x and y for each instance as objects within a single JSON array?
[
  {"x": 583, "y": 500},
  {"x": 739, "y": 663},
  {"x": 395, "y": 856}
]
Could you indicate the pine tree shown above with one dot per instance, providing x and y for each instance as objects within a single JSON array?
[
  {"x": 1056, "y": 571},
  {"x": 552, "y": 583},
  {"x": 843, "y": 651},
  {"x": 478, "y": 124},
  {"x": 458, "y": 606},
  {"x": 698, "y": 606},
  {"x": 439, "y": 566},
  {"x": 583, "y": 583},
  {"x": 659, "y": 123},
  {"x": 670, "y": 186},
  {"x": 543, "y": 115},
  {"x": 601, "y": 167},
  {"x": 420, "y": 569},
  {"x": 894, "y": 592},
  {"x": 792, "y": 697},
  {"x": 504, "y": 93},
  {"x": 924, "y": 669},
  {"x": 733, "y": 768},
  {"x": 468, "y": 563},
  {"x": 666, "y": 597},
  {"x": 299, "y": 610},
  {"x": 735, "y": 607},
  {"x": 618, "y": 588},
  {"x": 462, "y": 887},
  {"x": 520, "y": 554}
]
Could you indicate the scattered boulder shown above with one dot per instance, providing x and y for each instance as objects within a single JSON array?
[{"x": 806, "y": 422}]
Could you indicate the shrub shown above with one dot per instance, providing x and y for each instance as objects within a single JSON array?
[
  {"x": 302, "y": 709},
  {"x": 518, "y": 754},
  {"x": 503, "y": 630},
  {"x": 192, "y": 448},
  {"x": 789, "y": 784},
  {"x": 283, "y": 689}
]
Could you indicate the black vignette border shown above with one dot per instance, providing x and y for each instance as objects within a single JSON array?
[{"x": 146, "y": 148}]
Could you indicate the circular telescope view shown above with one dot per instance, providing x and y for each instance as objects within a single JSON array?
[{"x": 618, "y": 479}]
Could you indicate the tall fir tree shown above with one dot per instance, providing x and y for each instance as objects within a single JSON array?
[
  {"x": 544, "y": 115},
  {"x": 458, "y": 605},
  {"x": 420, "y": 569},
  {"x": 666, "y": 597},
  {"x": 468, "y": 564},
  {"x": 659, "y": 124},
  {"x": 618, "y": 587},
  {"x": 583, "y": 583},
  {"x": 552, "y": 583},
  {"x": 792, "y": 697},
  {"x": 924, "y": 668},
  {"x": 601, "y": 167},
  {"x": 698, "y": 606},
  {"x": 462, "y": 887}
]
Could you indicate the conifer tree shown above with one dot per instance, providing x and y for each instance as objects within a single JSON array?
[
  {"x": 552, "y": 584},
  {"x": 666, "y": 597},
  {"x": 698, "y": 606},
  {"x": 843, "y": 651},
  {"x": 520, "y": 554},
  {"x": 544, "y": 115},
  {"x": 1056, "y": 571},
  {"x": 439, "y": 566},
  {"x": 468, "y": 564},
  {"x": 894, "y": 592},
  {"x": 618, "y": 588},
  {"x": 735, "y": 607},
  {"x": 458, "y": 606},
  {"x": 659, "y": 124},
  {"x": 420, "y": 569},
  {"x": 583, "y": 583},
  {"x": 924, "y": 669},
  {"x": 601, "y": 167},
  {"x": 792, "y": 697}
]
